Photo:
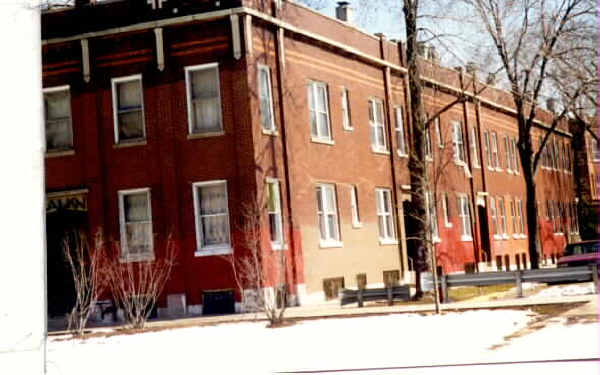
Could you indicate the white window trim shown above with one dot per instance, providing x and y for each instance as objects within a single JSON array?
[
  {"x": 474, "y": 147},
  {"x": 212, "y": 249},
  {"x": 329, "y": 242},
  {"x": 456, "y": 127},
  {"x": 495, "y": 151},
  {"x": 387, "y": 239},
  {"x": 188, "y": 93},
  {"x": 438, "y": 131},
  {"x": 273, "y": 127},
  {"x": 275, "y": 245},
  {"x": 445, "y": 208},
  {"x": 319, "y": 138},
  {"x": 346, "y": 115},
  {"x": 356, "y": 223},
  {"x": 595, "y": 153},
  {"x": 430, "y": 204},
  {"x": 125, "y": 256},
  {"x": 502, "y": 218},
  {"x": 67, "y": 151},
  {"x": 377, "y": 148},
  {"x": 399, "y": 113},
  {"x": 462, "y": 216},
  {"x": 114, "y": 82}
]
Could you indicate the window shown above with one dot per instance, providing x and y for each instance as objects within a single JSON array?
[
  {"x": 346, "y": 119},
  {"x": 475, "y": 151},
  {"x": 203, "y": 99},
  {"x": 378, "y": 141},
  {"x": 57, "y": 111},
  {"x": 457, "y": 141},
  {"x": 465, "y": 217},
  {"x": 391, "y": 278},
  {"x": 400, "y": 136},
  {"x": 265, "y": 91},
  {"x": 494, "y": 147},
  {"x": 438, "y": 132},
  {"x": 354, "y": 205},
  {"x": 575, "y": 226},
  {"x": 508, "y": 154},
  {"x": 502, "y": 216},
  {"x": 361, "y": 280},
  {"x": 128, "y": 109},
  {"x": 135, "y": 218},
  {"x": 274, "y": 212},
  {"x": 332, "y": 286},
  {"x": 494, "y": 216},
  {"x": 521, "y": 215},
  {"x": 432, "y": 212},
  {"x": 327, "y": 215},
  {"x": 212, "y": 218},
  {"x": 383, "y": 203},
  {"x": 446, "y": 209},
  {"x": 515, "y": 156},
  {"x": 319, "y": 111},
  {"x": 513, "y": 216},
  {"x": 594, "y": 150},
  {"x": 486, "y": 146},
  {"x": 428, "y": 146}
]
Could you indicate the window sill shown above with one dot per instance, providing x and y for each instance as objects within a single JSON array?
[
  {"x": 57, "y": 154},
  {"x": 447, "y": 225},
  {"x": 205, "y": 135},
  {"x": 429, "y": 159},
  {"x": 272, "y": 133},
  {"x": 460, "y": 163},
  {"x": 559, "y": 234},
  {"x": 141, "y": 142},
  {"x": 497, "y": 237},
  {"x": 477, "y": 166},
  {"x": 388, "y": 241},
  {"x": 348, "y": 128},
  {"x": 278, "y": 246},
  {"x": 204, "y": 252},
  {"x": 330, "y": 244},
  {"x": 357, "y": 225},
  {"x": 136, "y": 258},
  {"x": 505, "y": 236},
  {"x": 466, "y": 238},
  {"x": 402, "y": 154},
  {"x": 436, "y": 240},
  {"x": 497, "y": 169},
  {"x": 323, "y": 141},
  {"x": 380, "y": 151}
]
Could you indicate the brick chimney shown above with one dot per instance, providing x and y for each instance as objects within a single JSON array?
[{"x": 344, "y": 12}]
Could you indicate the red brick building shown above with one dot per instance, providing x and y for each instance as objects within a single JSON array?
[{"x": 170, "y": 118}]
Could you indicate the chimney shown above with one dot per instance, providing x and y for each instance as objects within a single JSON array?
[
  {"x": 471, "y": 68},
  {"x": 491, "y": 79},
  {"x": 551, "y": 104},
  {"x": 433, "y": 55},
  {"x": 344, "y": 12}
]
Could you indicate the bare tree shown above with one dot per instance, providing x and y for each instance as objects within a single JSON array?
[
  {"x": 528, "y": 39},
  {"x": 137, "y": 285},
  {"x": 85, "y": 261},
  {"x": 259, "y": 271}
]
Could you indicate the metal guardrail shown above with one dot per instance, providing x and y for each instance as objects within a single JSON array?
[
  {"x": 552, "y": 275},
  {"x": 347, "y": 296}
]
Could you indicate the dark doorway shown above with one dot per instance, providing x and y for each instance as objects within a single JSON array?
[
  {"x": 411, "y": 233},
  {"x": 61, "y": 223},
  {"x": 485, "y": 233}
]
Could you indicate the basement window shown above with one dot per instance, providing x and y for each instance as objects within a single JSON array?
[
  {"x": 57, "y": 111},
  {"x": 128, "y": 109}
]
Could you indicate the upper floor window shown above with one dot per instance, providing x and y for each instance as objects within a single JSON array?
[
  {"x": 400, "y": 135},
  {"x": 265, "y": 92},
  {"x": 203, "y": 99},
  {"x": 594, "y": 150},
  {"x": 378, "y": 139},
  {"x": 515, "y": 156},
  {"x": 319, "y": 111},
  {"x": 474, "y": 149},
  {"x": 57, "y": 111},
  {"x": 458, "y": 142},
  {"x": 346, "y": 116},
  {"x": 135, "y": 218},
  {"x": 327, "y": 214},
  {"x": 274, "y": 212},
  {"x": 464, "y": 212},
  {"x": 446, "y": 210},
  {"x": 128, "y": 109},
  {"x": 494, "y": 148},
  {"x": 487, "y": 149},
  {"x": 385, "y": 216},
  {"x": 508, "y": 153},
  {"x": 428, "y": 146},
  {"x": 438, "y": 132},
  {"x": 432, "y": 216},
  {"x": 211, "y": 211}
]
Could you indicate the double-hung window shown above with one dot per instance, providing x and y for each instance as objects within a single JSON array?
[
  {"x": 502, "y": 216},
  {"x": 135, "y": 218},
  {"x": 458, "y": 142},
  {"x": 446, "y": 209},
  {"x": 354, "y": 205},
  {"x": 128, "y": 109},
  {"x": 494, "y": 216},
  {"x": 521, "y": 217},
  {"x": 203, "y": 99},
  {"x": 594, "y": 150},
  {"x": 494, "y": 147},
  {"x": 432, "y": 215},
  {"x": 486, "y": 146},
  {"x": 57, "y": 110},
  {"x": 428, "y": 146},
  {"x": 265, "y": 93},
  {"x": 515, "y": 156},
  {"x": 474, "y": 149},
  {"x": 385, "y": 216},
  {"x": 327, "y": 215},
  {"x": 508, "y": 154},
  {"x": 400, "y": 135},
  {"x": 346, "y": 115},
  {"x": 320, "y": 129},
  {"x": 211, "y": 211},
  {"x": 513, "y": 216},
  {"x": 274, "y": 212},
  {"x": 376, "y": 122},
  {"x": 464, "y": 212},
  {"x": 438, "y": 132}
]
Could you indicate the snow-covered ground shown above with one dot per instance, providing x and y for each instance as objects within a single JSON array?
[
  {"x": 566, "y": 290},
  {"x": 365, "y": 342}
]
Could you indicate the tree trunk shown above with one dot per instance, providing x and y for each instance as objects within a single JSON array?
[{"x": 532, "y": 219}]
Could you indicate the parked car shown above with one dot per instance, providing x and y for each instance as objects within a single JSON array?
[{"x": 580, "y": 254}]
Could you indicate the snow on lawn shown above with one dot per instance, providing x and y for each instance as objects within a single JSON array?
[
  {"x": 250, "y": 348},
  {"x": 566, "y": 290}
]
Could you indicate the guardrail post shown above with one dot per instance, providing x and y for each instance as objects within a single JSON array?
[
  {"x": 389, "y": 296},
  {"x": 360, "y": 298},
  {"x": 519, "y": 282},
  {"x": 595, "y": 277},
  {"x": 444, "y": 288}
]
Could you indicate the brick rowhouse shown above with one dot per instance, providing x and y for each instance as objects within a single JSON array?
[{"x": 168, "y": 118}]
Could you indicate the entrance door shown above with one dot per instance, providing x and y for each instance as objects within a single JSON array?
[
  {"x": 485, "y": 233},
  {"x": 62, "y": 220}
]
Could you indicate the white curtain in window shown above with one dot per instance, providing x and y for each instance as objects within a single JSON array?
[
  {"x": 138, "y": 226},
  {"x": 205, "y": 101},
  {"x": 58, "y": 120},
  {"x": 130, "y": 116},
  {"x": 214, "y": 215},
  {"x": 266, "y": 99}
]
